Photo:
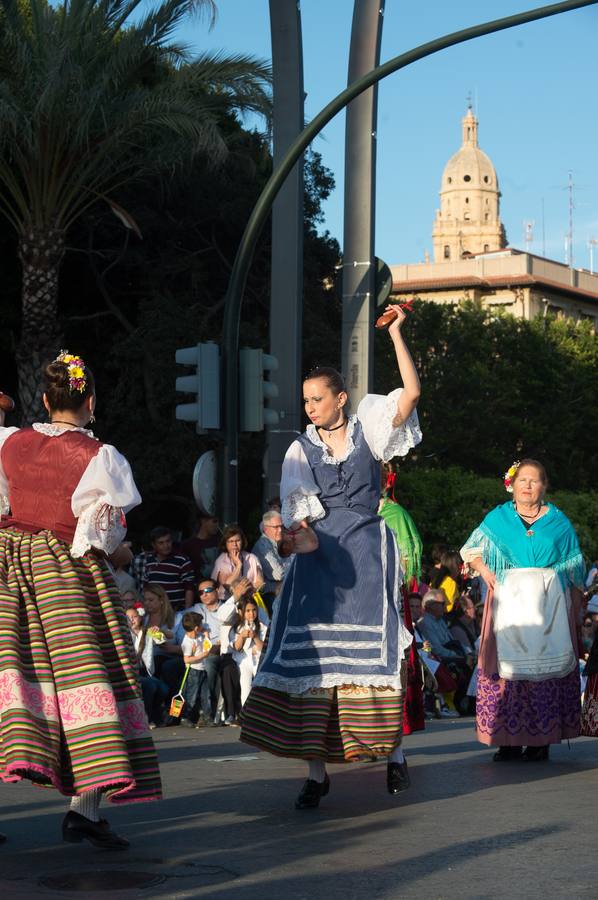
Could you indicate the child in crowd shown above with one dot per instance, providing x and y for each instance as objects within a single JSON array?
[{"x": 197, "y": 709}]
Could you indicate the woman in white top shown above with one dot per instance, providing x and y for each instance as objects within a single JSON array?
[{"x": 71, "y": 711}]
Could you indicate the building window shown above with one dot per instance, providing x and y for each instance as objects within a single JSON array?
[
  {"x": 447, "y": 251},
  {"x": 467, "y": 178},
  {"x": 486, "y": 217},
  {"x": 486, "y": 180},
  {"x": 467, "y": 217},
  {"x": 467, "y": 199},
  {"x": 486, "y": 201},
  {"x": 450, "y": 180},
  {"x": 486, "y": 248}
]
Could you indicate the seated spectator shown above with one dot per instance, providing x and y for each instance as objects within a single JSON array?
[
  {"x": 274, "y": 503},
  {"x": 588, "y": 633},
  {"x": 447, "y": 577},
  {"x": 124, "y": 581},
  {"x": 246, "y": 640},
  {"x": 132, "y": 600},
  {"x": 203, "y": 548},
  {"x": 434, "y": 628},
  {"x": 274, "y": 566},
  {"x": 197, "y": 710},
  {"x": 172, "y": 571},
  {"x": 159, "y": 617},
  {"x": 153, "y": 690},
  {"x": 235, "y": 562},
  {"x": 465, "y": 627}
]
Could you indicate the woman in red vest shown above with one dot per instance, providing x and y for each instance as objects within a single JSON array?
[{"x": 71, "y": 711}]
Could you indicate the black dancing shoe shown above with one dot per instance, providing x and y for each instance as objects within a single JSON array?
[
  {"x": 76, "y": 828},
  {"x": 507, "y": 754},
  {"x": 309, "y": 798},
  {"x": 536, "y": 754},
  {"x": 397, "y": 777}
]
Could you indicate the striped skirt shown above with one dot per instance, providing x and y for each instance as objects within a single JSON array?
[
  {"x": 342, "y": 724},
  {"x": 71, "y": 713}
]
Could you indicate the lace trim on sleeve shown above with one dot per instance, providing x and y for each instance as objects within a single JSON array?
[
  {"x": 4, "y": 505},
  {"x": 100, "y": 526},
  {"x": 297, "y": 506},
  {"x": 389, "y": 441}
]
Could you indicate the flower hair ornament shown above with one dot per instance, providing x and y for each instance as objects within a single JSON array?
[
  {"x": 76, "y": 370},
  {"x": 510, "y": 475}
]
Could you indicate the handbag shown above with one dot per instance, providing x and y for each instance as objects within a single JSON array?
[{"x": 178, "y": 701}]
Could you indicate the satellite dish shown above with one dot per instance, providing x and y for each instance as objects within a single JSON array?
[{"x": 204, "y": 482}]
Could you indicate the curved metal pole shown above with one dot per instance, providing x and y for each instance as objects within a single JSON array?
[{"x": 238, "y": 277}]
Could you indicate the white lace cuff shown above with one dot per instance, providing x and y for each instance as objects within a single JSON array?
[
  {"x": 4, "y": 505},
  {"x": 297, "y": 506},
  {"x": 100, "y": 526}
]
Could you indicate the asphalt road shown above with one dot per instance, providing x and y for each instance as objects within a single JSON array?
[{"x": 468, "y": 828}]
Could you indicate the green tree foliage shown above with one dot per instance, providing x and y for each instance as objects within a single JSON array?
[
  {"x": 94, "y": 95},
  {"x": 496, "y": 388},
  {"x": 447, "y": 504}
]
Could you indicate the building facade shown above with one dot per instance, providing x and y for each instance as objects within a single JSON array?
[{"x": 471, "y": 259}]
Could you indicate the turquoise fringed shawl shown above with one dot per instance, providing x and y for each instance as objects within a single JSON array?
[{"x": 549, "y": 543}]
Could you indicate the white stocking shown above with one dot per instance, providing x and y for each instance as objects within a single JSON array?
[
  {"x": 88, "y": 805},
  {"x": 317, "y": 770},
  {"x": 397, "y": 756}
]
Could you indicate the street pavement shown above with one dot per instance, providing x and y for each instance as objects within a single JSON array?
[{"x": 468, "y": 828}]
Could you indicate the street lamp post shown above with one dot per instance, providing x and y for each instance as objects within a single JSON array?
[{"x": 261, "y": 210}]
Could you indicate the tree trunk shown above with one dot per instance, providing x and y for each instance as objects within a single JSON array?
[{"x": 41, "y": 252}]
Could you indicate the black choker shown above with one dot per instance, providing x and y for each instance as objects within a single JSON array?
[{"x": 336, "y": 427}]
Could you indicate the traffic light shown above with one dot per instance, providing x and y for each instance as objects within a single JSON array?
[
  {"x": 204, "y": 384},
  {"x": 254, "y": 389}
]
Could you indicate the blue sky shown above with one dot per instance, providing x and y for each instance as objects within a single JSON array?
[{"x": 535, "y": 90}]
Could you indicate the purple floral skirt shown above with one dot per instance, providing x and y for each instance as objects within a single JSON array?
[{"x": 527, "y": 713}]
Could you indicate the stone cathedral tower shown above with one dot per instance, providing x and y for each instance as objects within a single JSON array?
[{"x": 468, "y": 221}]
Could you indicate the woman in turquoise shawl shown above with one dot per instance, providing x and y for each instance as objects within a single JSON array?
[{"x": 527, "y": 552}]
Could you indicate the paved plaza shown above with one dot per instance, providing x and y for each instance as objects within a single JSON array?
[{"x": 468, "y": 828}]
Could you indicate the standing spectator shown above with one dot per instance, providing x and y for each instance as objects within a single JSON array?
[
  {"x": 197, "y": 695},
  {"x": 235, "y": 562},
  {"x": 172, "y": 571},
  {"x": 124, "y": 581},
  {"x": 209, "y": 607},
  {"x": 274, "y": 566},
  {"x": 202, "y": 549},
  {"x": 246, "y": 641}
]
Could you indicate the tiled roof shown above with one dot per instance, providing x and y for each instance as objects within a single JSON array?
[{"x": 493, "y": 281}]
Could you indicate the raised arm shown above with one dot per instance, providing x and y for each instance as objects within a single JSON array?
[{"x": 411, "y": 384}]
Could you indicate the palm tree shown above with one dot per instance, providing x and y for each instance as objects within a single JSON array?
[{"x": 92, "y": 96}]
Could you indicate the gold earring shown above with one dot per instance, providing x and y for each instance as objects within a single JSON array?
[{"x": 92, "y": 419}]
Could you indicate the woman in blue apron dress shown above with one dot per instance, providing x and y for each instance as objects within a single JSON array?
[{"x": 330, "y": 683}]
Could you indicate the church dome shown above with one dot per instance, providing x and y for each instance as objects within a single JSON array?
[{"x": 469, "y": 167}]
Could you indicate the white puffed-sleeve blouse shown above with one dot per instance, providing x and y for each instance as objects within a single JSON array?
[
  {"x": 298, "y": 489},
  {"x": 105, "y": 492}
]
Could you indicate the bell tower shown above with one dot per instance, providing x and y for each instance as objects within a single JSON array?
[{"x": 468, "y": 221}]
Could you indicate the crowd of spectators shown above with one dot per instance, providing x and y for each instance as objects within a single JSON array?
[{"x": 198, "y": 612}]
